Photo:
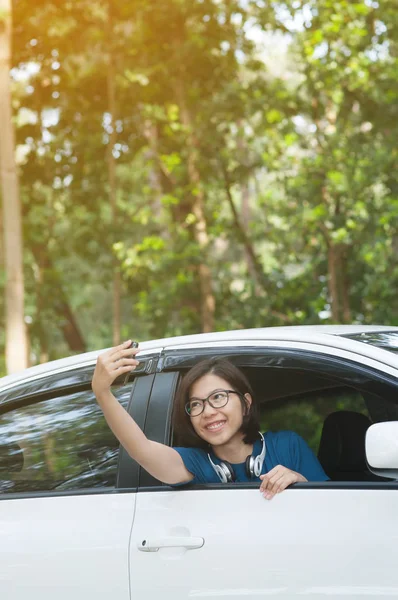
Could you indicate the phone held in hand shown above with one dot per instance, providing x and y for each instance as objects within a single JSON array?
[{"x": 133, "y": 344}]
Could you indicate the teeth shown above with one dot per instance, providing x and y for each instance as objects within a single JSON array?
[{"x": 216, "y": 425}]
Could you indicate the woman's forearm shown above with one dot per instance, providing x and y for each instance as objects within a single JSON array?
[
  {"x": 159, "y": 460},
  {"x": 123, "y": 426}
]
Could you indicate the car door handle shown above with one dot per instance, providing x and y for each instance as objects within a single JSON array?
[{"x": 153, "y": 545}]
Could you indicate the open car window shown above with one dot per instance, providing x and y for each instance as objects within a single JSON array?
[
  {"x": 301, "y": 400},
  {"x": 331, "y": 414}
]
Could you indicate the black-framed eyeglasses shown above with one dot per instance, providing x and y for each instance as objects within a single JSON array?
[{"x": 217, "y": 399}]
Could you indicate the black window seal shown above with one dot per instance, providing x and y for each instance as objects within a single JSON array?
[
  {"x": 128, "y": 470},
  {"x": 183, "y": 359},
  {"x": 309, "y": 485},
  {"x": 59, "y": 494},
  {"x": 159, "y": 413}
]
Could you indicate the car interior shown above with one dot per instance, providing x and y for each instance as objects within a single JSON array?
[{"x": 331, "y": 416}]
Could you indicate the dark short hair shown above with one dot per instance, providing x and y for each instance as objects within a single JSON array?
[{"x": 236, "y": 379}]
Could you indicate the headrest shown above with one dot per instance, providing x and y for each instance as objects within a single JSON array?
[
  {"x": 342, "y": 445},
  {"x": 11, "y": 458}
]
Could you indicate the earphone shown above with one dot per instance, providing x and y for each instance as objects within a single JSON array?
[{"x": 254, "y": 465}]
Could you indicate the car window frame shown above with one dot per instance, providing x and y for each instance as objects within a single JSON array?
[
  {"x": 128, "y": 472},
  {"x": 48, "y": 388},
  {"x": 158, "y": 426}
]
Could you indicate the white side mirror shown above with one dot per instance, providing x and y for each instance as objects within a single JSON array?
[{"x": 381, "y": 444}]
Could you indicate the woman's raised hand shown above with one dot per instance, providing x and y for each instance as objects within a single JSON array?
[
  {"x": 111, "y": 364},
  {"x": 277, "y": 480}
]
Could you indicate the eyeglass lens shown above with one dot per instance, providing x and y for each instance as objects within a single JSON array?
[{"x": 196, "y": 406}]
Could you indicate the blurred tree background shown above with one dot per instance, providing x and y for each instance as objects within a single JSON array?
[{"x": 199, "y": 165}]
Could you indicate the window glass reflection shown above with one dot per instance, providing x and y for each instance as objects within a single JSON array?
[
  {"x": 387, "y": 340},
  {"x": 60, "y": 443}
]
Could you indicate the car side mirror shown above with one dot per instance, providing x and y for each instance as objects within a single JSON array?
[
  {"x": 11, "y": 458},
  {"x": 381, "y": 445}
]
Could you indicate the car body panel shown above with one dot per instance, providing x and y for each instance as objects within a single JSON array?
[
  {"x": 316, "y": 540},
  {"x": 64, "y": 547},
  {"x": 313, "y": 543}
]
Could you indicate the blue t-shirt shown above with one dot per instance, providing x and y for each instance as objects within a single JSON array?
[{"x": 282, "y": 448}]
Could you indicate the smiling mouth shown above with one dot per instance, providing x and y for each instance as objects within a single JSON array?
[{"x": 216, "y": 426}]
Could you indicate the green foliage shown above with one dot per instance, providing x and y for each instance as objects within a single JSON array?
[{"x": 289, "y": 112}]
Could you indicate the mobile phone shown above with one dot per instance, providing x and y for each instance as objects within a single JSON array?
[{"x": 133, "y": 344}]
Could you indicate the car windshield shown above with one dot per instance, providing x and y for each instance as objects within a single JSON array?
[{"x": 387, "y": 340}]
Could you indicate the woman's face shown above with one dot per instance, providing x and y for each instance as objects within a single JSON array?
[{"x": 217, "y": 426}]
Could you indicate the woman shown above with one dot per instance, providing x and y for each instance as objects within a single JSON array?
[{"x": 216, "y": 417}]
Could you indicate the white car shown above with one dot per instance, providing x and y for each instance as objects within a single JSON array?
[{"x": 80, "y": 520}]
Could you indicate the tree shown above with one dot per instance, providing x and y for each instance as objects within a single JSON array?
[
  {"x": 334, "y": 151},
  {"x": 16, "y": 336},
  {"x": 231, "y": 183}
]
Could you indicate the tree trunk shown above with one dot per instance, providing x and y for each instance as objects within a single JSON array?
[
  {"x": 338, "y": 283},
  {"x": 333, "y": 268},
  {"x": 111, "y": 164},
  {"x": 262, "y": 283},
  {"x": 245, "y": 191},
  {"x": 65, "y": 317},
  {"x": 16, "y": 334},
  {"x": 208, "y": 303},
  {"x": 254, "y": 264},
  {"x": 150, "y": 133},
  {"x": 345, "y": 288},
  {"x": 245, "y": 208},
  {"x": 41, "y": 297}
]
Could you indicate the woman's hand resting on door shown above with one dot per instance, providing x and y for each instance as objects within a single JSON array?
[{"x": 277, "y": 480}]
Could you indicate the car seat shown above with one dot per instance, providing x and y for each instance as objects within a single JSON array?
[{"x": 342, "y": 447}]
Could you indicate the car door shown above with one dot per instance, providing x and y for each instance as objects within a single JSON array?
[
  {"x": 64, "y": 519},
  {"x": 316, "y": 539}
]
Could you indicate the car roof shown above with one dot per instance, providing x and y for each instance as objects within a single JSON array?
[
  {"x": 307, "y": 333},
  {"x": 317, "y": 334}
]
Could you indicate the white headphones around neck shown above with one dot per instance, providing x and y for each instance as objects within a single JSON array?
[{"x": 253, "y": 465}]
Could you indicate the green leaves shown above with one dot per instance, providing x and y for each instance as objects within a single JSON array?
[{"x": 284, "y": 114}]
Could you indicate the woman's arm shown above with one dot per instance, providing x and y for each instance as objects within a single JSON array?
[
  {"x": 304, "y": 463},
  {"x": 277, "y": 480},
  {"x": 159, "y": 460}
]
